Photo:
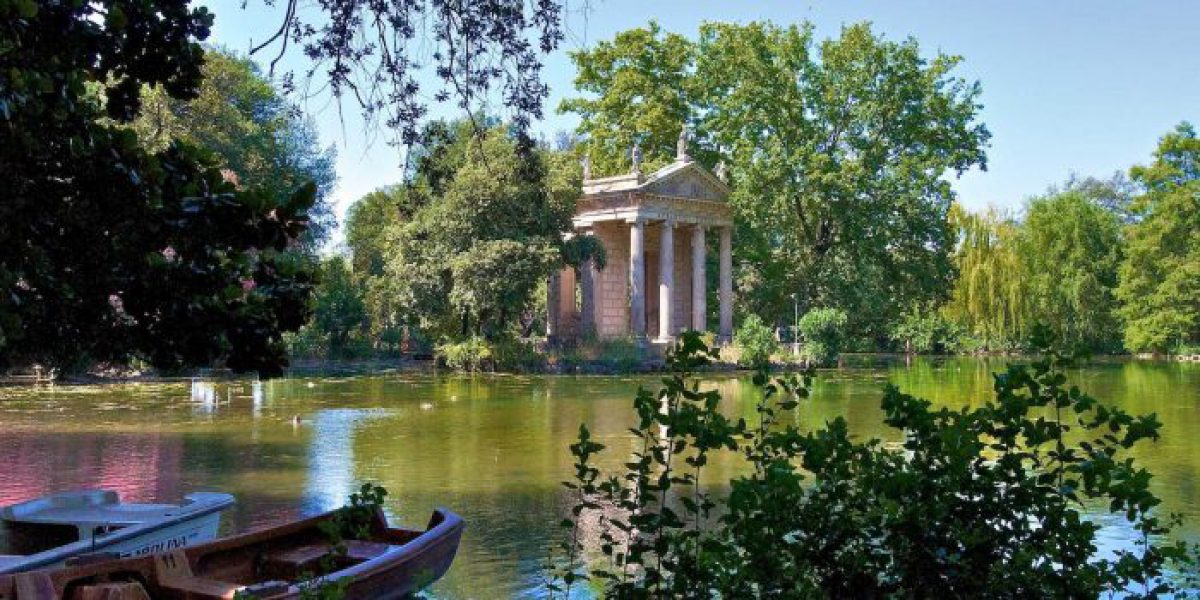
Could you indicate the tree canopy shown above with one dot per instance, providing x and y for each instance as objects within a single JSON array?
[
  {"x": 1160, "y": 278},
  {"x": 250, "y": 128},
  {"x": 1072, "y": 249},
  {"x": 839, "y": 152},
  {"x": 465, "y": 243},
  {"x": 110, "y": 252}
]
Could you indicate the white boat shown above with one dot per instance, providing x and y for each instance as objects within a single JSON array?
[{"x": 47, "y": 531}]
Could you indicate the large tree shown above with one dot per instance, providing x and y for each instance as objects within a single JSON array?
[
  {"x": 1160, "y": 278},
  {"x": 839, "y": 153},
  {"x": 477, "y": 232},
  {"x": 1071, "y": 248},
  {"x": 638, "y": 92},
  {"x": 989, "y": 298},
  {"x": 107, "y": 251},
  {"x": 250, "y": 128}
]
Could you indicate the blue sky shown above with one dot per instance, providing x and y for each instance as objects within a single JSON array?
[{"x": 1085, "y": 87}]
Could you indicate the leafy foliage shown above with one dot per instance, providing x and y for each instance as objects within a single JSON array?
[
  {"x": 1071, "y": 248},
  {"x": 824, "y": 331},
  {"x": 927, "y": 330},
  {"x": 838, "y": 152},
  {"x": 112, "y": 253},
  {"x": 979, "y": 502},
  {"x": 373, "y": 53},
  {"x": 339, "y": 311},
  {"x": 471, "y": 354},
  {"x": 640, "y": 84},
  {"x": 755, "y": 342},
  {"x": 1160, "y": 279},
  {"x": 242, "y": 119},
  {"x": 469, "y": 239},
  {"x": 989, "y": 298}
]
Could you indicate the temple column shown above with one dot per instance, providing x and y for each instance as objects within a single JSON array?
[
  {"x": 726, "y": 291},
  {"x": 587, "y": 300},
  {"x": 666, "y": 279},
  {"x": 553, "y": 305},
  {"x": 637, "y": 278},
  {"x": 699, "y": 280}
]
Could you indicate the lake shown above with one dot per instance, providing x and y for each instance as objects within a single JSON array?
[{"x": 493, "y": 448}]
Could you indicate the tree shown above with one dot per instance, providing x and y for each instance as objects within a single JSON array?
[
  {"x": 639, "y": 92},
  {"x": 483, "y": 234},
  {"x": 1159, "y": 286},
  {"x": 1071, "y": 248},
  {"x": 839, "y": 153},
  {"x": 247, "y": 124},
  {"x": 112, "y": 253},
  {"x": 1114, "y": 194},
  {"x": 989, "y": 297},
  {"x": 367, "y": 221},
  {"x": 339, "y": 310}
]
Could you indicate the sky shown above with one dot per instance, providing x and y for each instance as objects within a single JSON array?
[{"x": 1068, "y": 87}]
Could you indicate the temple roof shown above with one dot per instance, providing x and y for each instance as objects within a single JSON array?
[
  {"x": 680, "y": 179},
  {"x": 682, "y": 191}
]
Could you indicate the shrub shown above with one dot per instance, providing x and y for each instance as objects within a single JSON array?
[
  {"x": 982, "y": 502},
  {"x": 512, "y": 354},
  {"x": 471, "y": 354},
  {"x": 823, "y": 330},
  {"x": 923, "y": 331},
  {"x": 619, "y": 354},
  {"x": 756, "y": 343}
]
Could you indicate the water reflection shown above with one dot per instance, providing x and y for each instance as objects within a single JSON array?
[{"x": 491, "y": 448}]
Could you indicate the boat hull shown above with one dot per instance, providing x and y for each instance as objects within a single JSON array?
[
  {"x": 272, "y": 563},
  {"x": 195, "y": 522}
]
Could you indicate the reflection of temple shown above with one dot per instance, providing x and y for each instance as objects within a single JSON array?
[{"x": 653, "y": 229}]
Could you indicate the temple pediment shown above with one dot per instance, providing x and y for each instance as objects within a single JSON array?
[{"x": 685, "y": 180}]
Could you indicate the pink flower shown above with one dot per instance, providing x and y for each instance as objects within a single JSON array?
[{"x": 248, "y": 285}]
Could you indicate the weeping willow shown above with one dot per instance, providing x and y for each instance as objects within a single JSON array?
[{"x": 989, "y": 298}]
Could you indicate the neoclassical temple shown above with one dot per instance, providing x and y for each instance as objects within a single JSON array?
[{"x": 654, "y": 229}]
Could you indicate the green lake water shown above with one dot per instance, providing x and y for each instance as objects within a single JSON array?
[{"x": 492, "y": 448}]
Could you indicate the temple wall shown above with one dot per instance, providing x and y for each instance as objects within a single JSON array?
[{"x": 612, "y": 282}]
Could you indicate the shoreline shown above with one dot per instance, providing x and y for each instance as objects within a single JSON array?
[{"x": 653, "y": 365}]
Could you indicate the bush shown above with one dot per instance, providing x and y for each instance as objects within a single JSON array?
[
  {"x": 756, "y": 343},
  {"x": 622, "y": 355},
  {"x": 982, "y": 502},
  {"x": 514, "y": 355},
  {"x": 823, "y": 330},
  {"x": 471, "y": 354},
  {"x": 924, "y": 331}
]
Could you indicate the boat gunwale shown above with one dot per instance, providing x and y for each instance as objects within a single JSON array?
[{"x": 218, "y": 501}]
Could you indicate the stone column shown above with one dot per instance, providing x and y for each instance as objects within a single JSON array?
[
  {"x": 587, "y": 299},
  {"x": 553, "y": 305},
  {"x": 637, "y": 279},
  {"x": 699, "y": 280},
  {"x": 726, "y": 291},
  {"x": 666, "y": 279}
]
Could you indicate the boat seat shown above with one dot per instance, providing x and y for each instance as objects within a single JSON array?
[
  {"x": 199, "y": 588},
  {"x": 290, "y": 563},
  {"x": 115, "y": 590},
  {"x": 36, "y": 585}
]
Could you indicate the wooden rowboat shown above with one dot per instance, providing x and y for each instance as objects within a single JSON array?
[{"x": 274, "y": 563}]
